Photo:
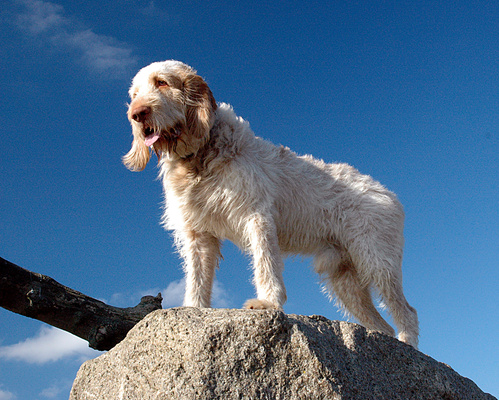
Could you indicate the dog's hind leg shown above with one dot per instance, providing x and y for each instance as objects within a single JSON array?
[
  {"x": 342, "y": 281},
  {"x": 404, "y": 316},
  {"x": 383, "y": 271}
]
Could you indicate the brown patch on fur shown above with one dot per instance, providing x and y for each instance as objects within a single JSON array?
[{"x": 201, "y": 106}]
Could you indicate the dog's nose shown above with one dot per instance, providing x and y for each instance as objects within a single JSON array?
[{"x": 140, "y": 114}]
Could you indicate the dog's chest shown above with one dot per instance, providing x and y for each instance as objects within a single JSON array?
[{"x": 202, "y": 202}]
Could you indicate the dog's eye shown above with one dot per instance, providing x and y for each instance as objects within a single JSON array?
[{"x": 160, "y": 83}]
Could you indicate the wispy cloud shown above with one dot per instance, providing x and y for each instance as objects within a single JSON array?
[
  {"x": 41, "y": 17},
  {"x": 173, "y": 296},
  {"x": 51, "y": 392},
  {"x": 48, "y": 22},
  {"x": 6, "y": 395},
  {"x": 50, "y": 344},
  {"x": 152, "y": 11},
  {"x": 54, "y": 390}
]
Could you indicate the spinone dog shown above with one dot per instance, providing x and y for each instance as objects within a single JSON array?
[{"x": 222, "y": 182}]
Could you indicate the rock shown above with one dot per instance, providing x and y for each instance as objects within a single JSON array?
[{"x": 189, "y": 353}]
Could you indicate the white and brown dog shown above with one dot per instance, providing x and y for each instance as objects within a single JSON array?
[{"x": 222, "y": 182}]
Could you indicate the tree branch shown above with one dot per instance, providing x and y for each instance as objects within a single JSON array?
[{"x": 41, "y": 297}]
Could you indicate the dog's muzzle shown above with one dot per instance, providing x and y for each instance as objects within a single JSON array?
[{"x": 151, "y": 136}]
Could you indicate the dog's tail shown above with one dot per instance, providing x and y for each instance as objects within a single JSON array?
[
  {"x": 356, "y": 298},
  {"x": 342, "y": 282}
]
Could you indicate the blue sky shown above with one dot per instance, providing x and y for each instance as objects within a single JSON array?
[{"x": 405, "y": 91}]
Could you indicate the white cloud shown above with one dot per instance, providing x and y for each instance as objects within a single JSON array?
[
  {"x": 6, "y": 395},
  {"x": 150, "y": 10},
  {"x": 40, "y": 16},
  {"x": 102, "y": 52},
  {"x": 220, "y": 297},
  {"x": 47, "y": 21},
  {"x": 173, "y": 295},
  {"x": 50, "y": 344},
  {"x": 51, "y": 392},
  {"x": 56, "y": 389}
]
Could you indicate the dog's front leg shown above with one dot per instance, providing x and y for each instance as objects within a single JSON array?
[
  {"x": 261, "y": 235},
  {"x": 201, "y": 253}
]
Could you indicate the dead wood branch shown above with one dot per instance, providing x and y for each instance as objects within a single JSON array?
[{"x": 41, "y": 297}]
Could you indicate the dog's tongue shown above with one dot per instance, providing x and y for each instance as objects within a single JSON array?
[{"x": 151, "y": 139}]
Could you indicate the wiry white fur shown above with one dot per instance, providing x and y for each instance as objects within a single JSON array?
[{"x": 222, "y": 182}]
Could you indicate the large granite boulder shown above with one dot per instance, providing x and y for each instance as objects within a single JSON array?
[{"x": 189, "y": 353}]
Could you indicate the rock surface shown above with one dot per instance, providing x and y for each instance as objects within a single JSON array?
[{"x": 188, "y": 353}]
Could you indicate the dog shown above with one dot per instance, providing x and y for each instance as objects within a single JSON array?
[{"x": 222, "y": 182}]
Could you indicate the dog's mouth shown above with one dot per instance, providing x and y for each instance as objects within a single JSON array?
[{"x": 152, "y": 135}]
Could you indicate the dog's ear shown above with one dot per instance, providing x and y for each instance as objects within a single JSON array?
[
  {"x": 138, "y": 156},
  {"x": 201, "y": 107}
]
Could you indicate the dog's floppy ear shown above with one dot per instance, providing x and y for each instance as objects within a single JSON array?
[
  {"x": 201, "y": 106},
  {"x": 138, "y": 156}
]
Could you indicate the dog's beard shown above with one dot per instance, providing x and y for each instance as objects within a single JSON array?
[
  {"x": 165, "y": 141},
  {"x": 151, "y": 135}
]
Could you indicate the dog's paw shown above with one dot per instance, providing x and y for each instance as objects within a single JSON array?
[{"x": 257, "y": 304}]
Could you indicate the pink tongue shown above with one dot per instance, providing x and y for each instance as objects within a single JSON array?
[{"x": 151, "y": 139}]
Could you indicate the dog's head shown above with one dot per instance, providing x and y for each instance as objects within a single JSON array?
[{"x": 172, "y": 111}]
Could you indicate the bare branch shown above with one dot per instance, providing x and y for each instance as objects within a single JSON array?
[{"x": 41, "y": 297}]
